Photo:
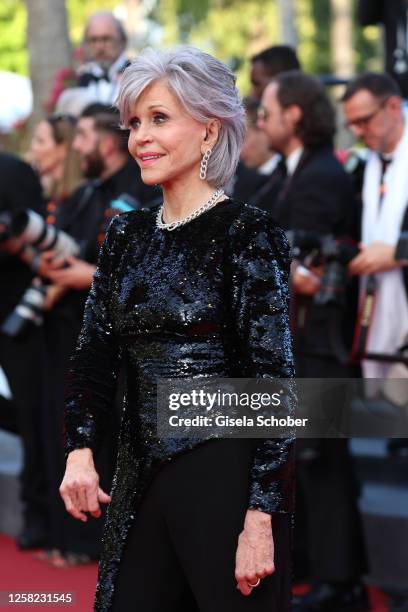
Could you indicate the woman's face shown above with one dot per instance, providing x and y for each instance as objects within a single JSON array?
[
  {"x": 164, "y": 139},
  {"x": 47, "y": 155}
]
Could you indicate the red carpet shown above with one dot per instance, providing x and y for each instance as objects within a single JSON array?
[
  {"x": 21, "y": 573},
  {"x": 378, "y": 600}
]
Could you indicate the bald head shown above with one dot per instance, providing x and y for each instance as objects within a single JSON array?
[{"x": 105, "y": 38}]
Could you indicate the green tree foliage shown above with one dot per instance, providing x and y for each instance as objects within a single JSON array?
[
  {"x": 236, "y": 29},
  {"x": 13, "y": 24},
  {"x": 79, "y": 11},
  {"x": 367, "y": 47},
  {"x": 313, "y": 19},
  {"x": 232, "y": 29},
  {"x": 13, "y": 21}
]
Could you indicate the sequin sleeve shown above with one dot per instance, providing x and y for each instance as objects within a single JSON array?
[
  {"x": 91, "y": 380},
  {"x": 261, "y": 266}
]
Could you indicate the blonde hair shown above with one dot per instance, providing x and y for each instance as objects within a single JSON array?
[{"x": 63, "y": 131}]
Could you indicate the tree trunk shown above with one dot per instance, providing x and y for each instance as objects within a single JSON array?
[
  {"x": 132, "y": 25},
  {"x": 49, "y": 48},
  {"x": 342, "y": 37},
  {"x": 287, "y": 21}
]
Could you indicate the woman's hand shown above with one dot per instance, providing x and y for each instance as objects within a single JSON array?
[
  {"x": 80, "y": 488},
  {"x": 255, "y": 553}
]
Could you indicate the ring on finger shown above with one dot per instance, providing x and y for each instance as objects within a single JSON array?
[{"x": 254, "y": 585}]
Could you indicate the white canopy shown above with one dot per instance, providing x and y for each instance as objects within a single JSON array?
[{"x": 16, "y": 99}]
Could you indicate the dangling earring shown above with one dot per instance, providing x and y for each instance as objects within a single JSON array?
[{"x": 204, "y": 164}]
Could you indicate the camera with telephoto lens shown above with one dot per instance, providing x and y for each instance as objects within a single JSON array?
[
  {"x": 331, "y": 252},
  {"x": 30, "y": 229},
  {"x": 28, "y": 311},
  {"x": 33, "y": 233}
]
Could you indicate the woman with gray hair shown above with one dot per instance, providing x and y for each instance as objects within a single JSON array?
[{"x": 196, "y": 289}]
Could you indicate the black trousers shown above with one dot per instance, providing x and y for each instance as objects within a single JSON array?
[
  {"x": 329, "y": 542},
  {"x": 180, "y": 552},
  {"x": 66, "y": 533},
  {"x": 22, "y": 360}
]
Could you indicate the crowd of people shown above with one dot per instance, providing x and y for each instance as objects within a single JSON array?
[{"x": 80, "y": 175}]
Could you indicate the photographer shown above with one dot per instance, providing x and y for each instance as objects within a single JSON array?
[
  {"x": 373, "y": 109},
  {"x": 22, "y": 358},
  {"x": 104, "y": 43},
  {"x": 317, "y": 198},
  {"x": 113, "y": 184}
]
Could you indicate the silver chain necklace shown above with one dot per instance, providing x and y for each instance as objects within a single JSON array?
[{"x": 212, "y": 201}]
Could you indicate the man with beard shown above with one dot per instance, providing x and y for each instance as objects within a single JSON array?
[{"x": 114, "y": 186}]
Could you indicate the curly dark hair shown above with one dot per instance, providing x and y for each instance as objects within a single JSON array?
[{"x": 317, "y": 125}]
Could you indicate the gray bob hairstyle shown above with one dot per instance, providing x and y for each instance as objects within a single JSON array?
[{"x": 204, "y": 86}]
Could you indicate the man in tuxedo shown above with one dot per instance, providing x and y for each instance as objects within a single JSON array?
[{"x": 317, "y": 197}]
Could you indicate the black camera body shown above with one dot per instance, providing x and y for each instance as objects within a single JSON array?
[
  {"x": 33, "y": 234},
  {"x": 331, "y": 252}
]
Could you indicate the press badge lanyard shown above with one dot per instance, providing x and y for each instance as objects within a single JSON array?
[{"x": 367, "y": 304}]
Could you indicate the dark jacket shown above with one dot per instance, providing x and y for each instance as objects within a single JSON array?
[
  {"x": 19, "y": 189},
  {"x": 266, "y": 196},
  {"x": 85, "y": 216},
  {"x": 245, "y": 183},
  {"x": 318, "y": 198}
]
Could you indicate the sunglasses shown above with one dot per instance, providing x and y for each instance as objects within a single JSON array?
[{"x": 362, "y": 122}]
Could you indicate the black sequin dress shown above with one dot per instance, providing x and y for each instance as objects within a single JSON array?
[{"x": 209, "y": 299}]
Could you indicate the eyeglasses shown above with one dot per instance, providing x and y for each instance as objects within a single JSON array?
[
  {"x": 362, "y": 122},
  {"x": 104, "y": 40}
]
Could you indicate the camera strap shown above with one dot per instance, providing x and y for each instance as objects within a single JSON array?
[
  {"x": 364, "y": 318},
  {"x": 367, "y": 303}
]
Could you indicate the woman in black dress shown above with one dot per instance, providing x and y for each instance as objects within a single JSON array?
[{"x": 192, "y": 290}]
